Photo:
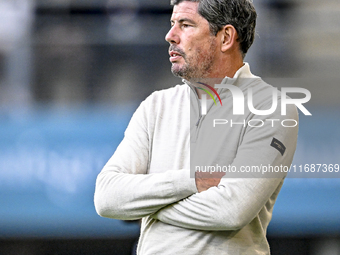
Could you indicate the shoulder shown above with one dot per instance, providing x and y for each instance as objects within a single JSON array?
[
  {"x": 263, "y": 96},
  {"x": 162, "y": 101},
  {"x": 171, "y": 95},
  {"x": 175, "y": 91}
]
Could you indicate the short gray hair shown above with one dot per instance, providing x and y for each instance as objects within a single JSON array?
[{"x": 241, "y": 14}]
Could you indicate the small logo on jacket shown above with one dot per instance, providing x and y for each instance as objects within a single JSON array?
[{"x": 278, "y": 145}]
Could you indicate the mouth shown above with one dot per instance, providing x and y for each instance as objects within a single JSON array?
[{"x": 175, "y": 56}]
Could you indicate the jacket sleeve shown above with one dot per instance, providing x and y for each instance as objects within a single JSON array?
[
  {"x": 124, "y": 190},
  {"x": 235, "y": 202}
]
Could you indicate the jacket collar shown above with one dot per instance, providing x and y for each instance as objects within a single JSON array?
[{"x": 238, "y": 79}]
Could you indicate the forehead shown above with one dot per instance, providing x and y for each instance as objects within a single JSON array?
[{"x": 185, "y": 9}]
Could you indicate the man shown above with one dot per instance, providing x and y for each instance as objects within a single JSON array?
[{"x": 148, "y": 177}]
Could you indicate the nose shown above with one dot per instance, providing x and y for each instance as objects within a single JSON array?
[{"x": 172, "y": 36}]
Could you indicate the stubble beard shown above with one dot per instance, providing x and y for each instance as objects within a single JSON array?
[{"x": 196, "y": 67}]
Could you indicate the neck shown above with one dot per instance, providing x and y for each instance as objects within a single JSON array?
[{"x": 225, "y": 68}]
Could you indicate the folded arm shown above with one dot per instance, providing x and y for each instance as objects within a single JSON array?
[
  {"x": 128, "y": 197},
  {"x": 235, "y": 202},
  {"x": 125, "y": 190}
]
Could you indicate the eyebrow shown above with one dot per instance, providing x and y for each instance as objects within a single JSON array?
[{"x": 184, "y": 20}]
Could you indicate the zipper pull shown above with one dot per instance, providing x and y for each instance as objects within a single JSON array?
[{"x": 198, "y": 122}]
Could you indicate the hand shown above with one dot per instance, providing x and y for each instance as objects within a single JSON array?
[{"x": 205, "y": 181}]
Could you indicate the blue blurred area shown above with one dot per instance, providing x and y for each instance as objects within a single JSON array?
[
  {"x": 307, "y": 207},
  {"x": 311, "y": 206},
  {"x": 49, "y": 160}
]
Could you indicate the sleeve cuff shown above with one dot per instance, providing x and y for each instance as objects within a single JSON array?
[{"x": 184, "y": 185}]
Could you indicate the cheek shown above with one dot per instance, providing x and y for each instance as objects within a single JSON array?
[
  {"x": 201, "y": 47},
  {"x": 190, "y": 43},
  {"x": 197, "y": 48}
]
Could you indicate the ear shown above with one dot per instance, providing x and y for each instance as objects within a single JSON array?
[{"x": 228, "y": 38}]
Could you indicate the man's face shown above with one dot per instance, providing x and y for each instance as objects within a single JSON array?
[{"x": 192, "y": 47}]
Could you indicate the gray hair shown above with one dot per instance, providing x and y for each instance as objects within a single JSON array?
[{"x": 241, "y": 14}]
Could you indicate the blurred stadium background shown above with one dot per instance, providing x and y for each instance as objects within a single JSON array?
[{"x": 73, "y": 71}]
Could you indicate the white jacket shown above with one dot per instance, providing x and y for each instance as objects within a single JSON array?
[{"x": 149, "y": 177}]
